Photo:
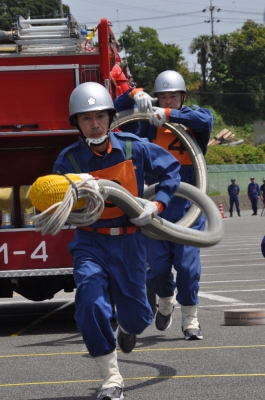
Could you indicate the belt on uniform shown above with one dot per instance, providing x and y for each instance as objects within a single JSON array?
[{"x": 113, "y": 231}]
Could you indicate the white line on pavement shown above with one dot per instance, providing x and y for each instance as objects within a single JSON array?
[
  {"x": 235, "y": 265},
  {"x": 218, "y": 298},
  {"x": 235, "y": 280},
  {"x": 236, "y": 290},
  {"x": 229, "y": 255}
]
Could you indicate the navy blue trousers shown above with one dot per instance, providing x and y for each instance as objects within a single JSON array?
[
  {"x": 119, "y": 261},
  {"x": 234, "y": 199},
  {"x": 162, "y": 255},
  {"x": 254, "y": 203}
]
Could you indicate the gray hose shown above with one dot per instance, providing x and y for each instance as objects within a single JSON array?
[
  {"x": 164, "y": 230},
  {"x": 193, "y": 149}
]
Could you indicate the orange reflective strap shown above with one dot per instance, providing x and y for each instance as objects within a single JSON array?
[
  {"x": 166, "y": 139},
  {"x": 124, "y": 175}
]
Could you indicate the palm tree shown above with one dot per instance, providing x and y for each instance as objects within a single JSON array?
[{"x": 202, "y": 45}]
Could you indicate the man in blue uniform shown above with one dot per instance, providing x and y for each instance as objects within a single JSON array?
[
  {"x": 233, "y": 191},
  {"x": 253, "y": 195},
  {"x": 170, "y": 90},
  {"x": 262, "y": 191},
  {"x": 111, "y": 251}
]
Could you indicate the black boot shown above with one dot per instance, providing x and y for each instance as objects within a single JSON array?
[
  {"x": 231, "y": 214},
  {"x": 239, "y": 214}
]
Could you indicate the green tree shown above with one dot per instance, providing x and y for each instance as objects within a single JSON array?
[
  {"x": 9, "y": 9},
  {"x": 237, "y": 71},
  {"x": 147, "y": 56}
]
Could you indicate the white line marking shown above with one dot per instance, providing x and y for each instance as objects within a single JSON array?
[
  {"x": 218, "y": 298},
  {"x": 228, "y": 255},
  {"x": 33, "y": 302},
  {"x": 236, "y": 290},
  {"x": 18, "y": 252},
  {"x": 235, "y": 280},
  {"x": 232, "y": 259},
  {"x": 232, "y": 305},
  {"x": 234, "y": 266}
]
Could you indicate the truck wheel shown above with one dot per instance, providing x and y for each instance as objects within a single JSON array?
[{"x": 40, "y": 288}]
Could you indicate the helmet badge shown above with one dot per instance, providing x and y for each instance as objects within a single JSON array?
[
  {"x": 91, "y": 101},
  {"x": 165, "y": 85}
]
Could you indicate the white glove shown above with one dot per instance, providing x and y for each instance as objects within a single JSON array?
[
  {"x": 158, "y": 118},
  {"x": 143, "y": 101},
  {"x": 150, "y": 211}
]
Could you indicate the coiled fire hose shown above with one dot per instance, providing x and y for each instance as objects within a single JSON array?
[
  {"x": 193, "y": 149},
  {"x": 58, "y": 202}
]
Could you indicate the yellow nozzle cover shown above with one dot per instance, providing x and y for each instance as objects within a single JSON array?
[{"x": 50, "y": 189}]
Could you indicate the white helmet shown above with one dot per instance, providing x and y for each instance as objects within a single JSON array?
[
  {"x": 89, "y": 96},
  {"x": 169, "y": 81}
]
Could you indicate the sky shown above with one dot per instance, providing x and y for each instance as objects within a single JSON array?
[{"x": 175, "y": 21}]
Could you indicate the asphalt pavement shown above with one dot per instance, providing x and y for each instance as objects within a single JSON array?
[{"x": 43, "y": 356}]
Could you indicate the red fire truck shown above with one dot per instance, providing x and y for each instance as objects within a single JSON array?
[{"x": 40, "y": 64}]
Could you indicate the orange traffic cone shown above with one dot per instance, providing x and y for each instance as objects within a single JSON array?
[{"x": 221, "y": 209}]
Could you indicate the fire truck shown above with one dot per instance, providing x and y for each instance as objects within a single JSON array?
[{"x": 41, "y": 62}]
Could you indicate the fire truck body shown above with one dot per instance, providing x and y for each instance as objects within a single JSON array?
[{"x": 38, "y": 72}]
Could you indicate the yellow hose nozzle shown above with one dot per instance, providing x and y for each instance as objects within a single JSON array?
[{"x": 50, "y": 189}]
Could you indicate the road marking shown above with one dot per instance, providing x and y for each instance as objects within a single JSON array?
[
  {"x": 239, "y": 290},
  {"x": 84, "y": 352},
  {"x": 17, "y": 301},
  {"x": 231, "y": 259},
  {"x": 234, "y": 266},
  {"x": 41, "y": 319},
  {"x": 228, "y": 255},
  {"x": 235, "y": 280},
  {"x": 138, "y": 378},
  {"x": 218, "y": 298},
  {"x": 230, "y": 305},
  {"x": 231, "y": 287}
]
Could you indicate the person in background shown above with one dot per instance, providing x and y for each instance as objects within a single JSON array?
[
  {"x": 233, "y": 191},
  {"x": 253, "y": 194},
  {"x": 111, "y": 251},
  {"x": 170, "y": 90},
  {"x": 262, "y": 193}
]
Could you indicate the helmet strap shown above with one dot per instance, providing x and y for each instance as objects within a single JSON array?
[{"x": 182, "y": 100}]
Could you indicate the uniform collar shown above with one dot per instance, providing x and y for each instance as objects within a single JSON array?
[{"x": 87, "y": 153}]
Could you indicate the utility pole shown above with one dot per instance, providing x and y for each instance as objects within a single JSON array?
[
  {"x": 61, "y": 8},
  {"x": 211, "y": 9}
]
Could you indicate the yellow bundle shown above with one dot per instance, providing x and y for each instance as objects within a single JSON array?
[{"x": 50, "y": 189}]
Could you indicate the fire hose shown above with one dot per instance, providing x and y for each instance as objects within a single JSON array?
[
  {"x": 83, "y": 193},
  {"x": 193, "y": 149},
  {"x": 78, "y": 199}
]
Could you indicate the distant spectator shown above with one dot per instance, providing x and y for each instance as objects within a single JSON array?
[
  {"x": 233, "y": 191},
  {"x": 262, "y": 191},
  {"x": 253, "y": 194},
  {"x": 262, "y": 194}
]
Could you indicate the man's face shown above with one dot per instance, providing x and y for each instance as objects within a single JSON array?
[
  {"x": 252, "y": 180},
  {"x": 94, "y": 125},
  {"x": 169, "y": 99},
  {"x": 233, "y": 182}
]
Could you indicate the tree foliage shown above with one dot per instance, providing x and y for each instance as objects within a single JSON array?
[
  {"x": 202, "y": 45},
  {"x": 147, "y": 56},
  {"x": 9, "y": 9},
  {"x": 239, "y": 70}
]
